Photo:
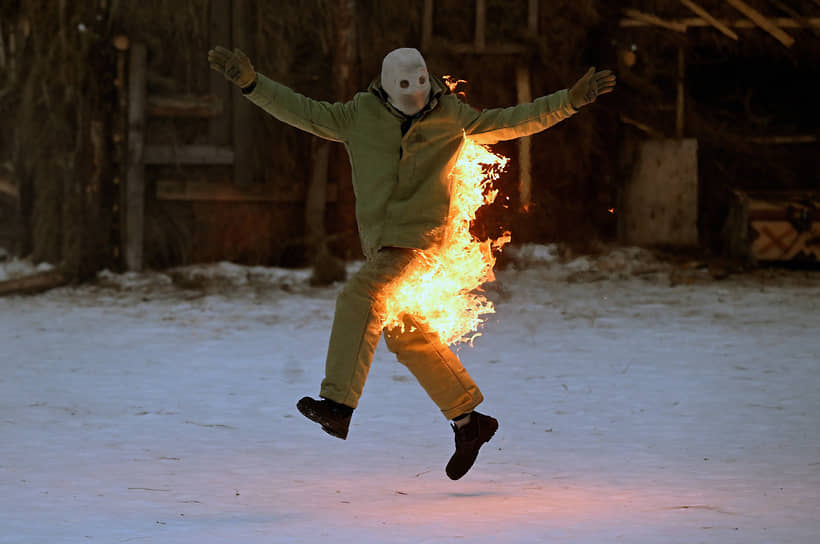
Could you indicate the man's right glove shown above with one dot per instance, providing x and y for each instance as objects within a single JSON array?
[
  {"x": 589, "y": 87},
  {"x": 235, "y": 66}
]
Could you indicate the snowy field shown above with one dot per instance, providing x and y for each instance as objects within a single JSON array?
[{"x": 639, "y": 402}]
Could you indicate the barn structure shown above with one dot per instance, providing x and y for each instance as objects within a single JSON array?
[{"x": 122, "y": 149}]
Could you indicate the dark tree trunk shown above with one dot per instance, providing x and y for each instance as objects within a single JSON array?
[{"x": 345, "y": 63}]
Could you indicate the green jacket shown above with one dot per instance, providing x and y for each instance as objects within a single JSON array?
[{"x": 401, "y": 183}]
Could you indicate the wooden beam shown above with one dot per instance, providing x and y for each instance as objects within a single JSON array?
[
  {"x": 134, "y": 192},
  {"x": 33, "y": 283},
  {"x": 219, "y": 128},
  {"x": 7, "y": 188},
  {"x": 761, "y": 21},
  {"x": 642, "y": 127},
  {"x": 697, "y": 22},
  {"x": 795, "y": 15},
  {"x": 427, "y": 26},
  {"x": 244, "y": 112},
  {"x": 225, "y": 191},
  {"x": 779, "y": 140},
  {"x": 654, "y": 20},
  {"x": 681, "y": 94},
  {"x": 204, "y": 106},
  {"x": 532, "y": 17},
  {"x": 708, "y": 18},
  {"x": 191, "y": 154},
  {"x": 488, "y": 49},
  {"x": 316, "y": 197},
  {"x": 480, "y": 25}
]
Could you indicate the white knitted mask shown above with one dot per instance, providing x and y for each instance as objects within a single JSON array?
[{"x": 405, "y": 80}]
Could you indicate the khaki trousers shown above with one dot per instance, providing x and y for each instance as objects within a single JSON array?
[{"x": 356, "y": 332}]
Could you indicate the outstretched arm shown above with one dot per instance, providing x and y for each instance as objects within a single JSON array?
[
  {"x": 323, "y": 119},
  {"x": 490, "y": 126}
]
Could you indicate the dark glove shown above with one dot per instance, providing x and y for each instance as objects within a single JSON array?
[
  {"x": 235, "y": 66},
  {"x": 589, "y": 87}
]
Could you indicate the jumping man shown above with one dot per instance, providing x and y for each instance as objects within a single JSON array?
[{"x": 402, "y": 136}]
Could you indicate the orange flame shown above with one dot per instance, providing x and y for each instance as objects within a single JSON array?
[{"x": 439, "y": 288}]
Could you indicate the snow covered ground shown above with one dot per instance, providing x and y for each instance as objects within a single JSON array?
[{"x": 639, "y": 402}]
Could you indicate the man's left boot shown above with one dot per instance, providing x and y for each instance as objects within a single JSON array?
[{"x": 469, "y": 439}]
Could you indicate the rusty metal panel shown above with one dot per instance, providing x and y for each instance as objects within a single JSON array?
[{"x": 660, "y": 201}]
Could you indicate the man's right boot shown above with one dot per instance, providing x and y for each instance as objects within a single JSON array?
[
  {"x": 332, "y": 416},
  {"x": 469, "y": 439}
]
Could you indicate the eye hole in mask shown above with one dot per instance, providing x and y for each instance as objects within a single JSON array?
[
  {"x": 422, "y": 80},
  {"x": 404, "y": 83}
]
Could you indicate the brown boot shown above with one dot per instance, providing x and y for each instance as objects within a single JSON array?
[
  {"x": 332, "y": 416},
  {"x": 469, "y": 439}
]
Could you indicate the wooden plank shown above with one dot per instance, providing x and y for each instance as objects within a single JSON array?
[
  {"x": 427, "y": 26},
  {"x": 33, "y": 283},
  {"x": 697, "y": 22},
  {"x": 795, "y": 15},
  {"x": 708, "y": 18},
  {"x": 225, "y": 190},
  {"x": 761, "y": 21},
  {"x": 654, "y": 20},
  {"x": 488, "y": 49},
  {"x": 779, "y": 140},
  {"x": 219, "y": 128},
  {"x": 654, "y": 133},
  {"x": 316, "y": 197},
  {"x": 190, "y": 154},
  {"x": 480, "y": 25},
  {"x": 345, "y": 84},
  {"x": 532, "y": 17},
  {"x": 524, "y": 95},
  {"x": 244, "y": 114},
  {"x": 7, "y": 188},
  {"x": 681, "y": 93},
  {"x": 189, "y": 106},
  {"x": 134, "y": 192},
  {"x": 780, "y": 22}
]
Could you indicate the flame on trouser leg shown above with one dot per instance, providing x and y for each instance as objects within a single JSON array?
[{"x": 441, "y": 286}]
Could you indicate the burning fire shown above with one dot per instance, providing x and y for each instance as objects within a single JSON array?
[{"x": 441, "y": 287}]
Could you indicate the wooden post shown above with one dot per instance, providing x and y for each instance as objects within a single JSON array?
[
  {"x": 427, "y": 26},
  {"x": 522, "y": 86},
  {"x": 134, "y": 193},
  {"x": 345, "y": 38},
  {"x": 681, "y": 95},
  {"x": 243, "y": 109},
  {"x": 219, "y": 127},
  {"x": 532, "y": 17},
  {"x": 317, "y": 196},
  {"x": 480, "y": 25}
]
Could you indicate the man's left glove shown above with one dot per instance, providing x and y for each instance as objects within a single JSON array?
[
  {"x": 589, "y": 87},
  {"x": 235, "y": 66}
]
